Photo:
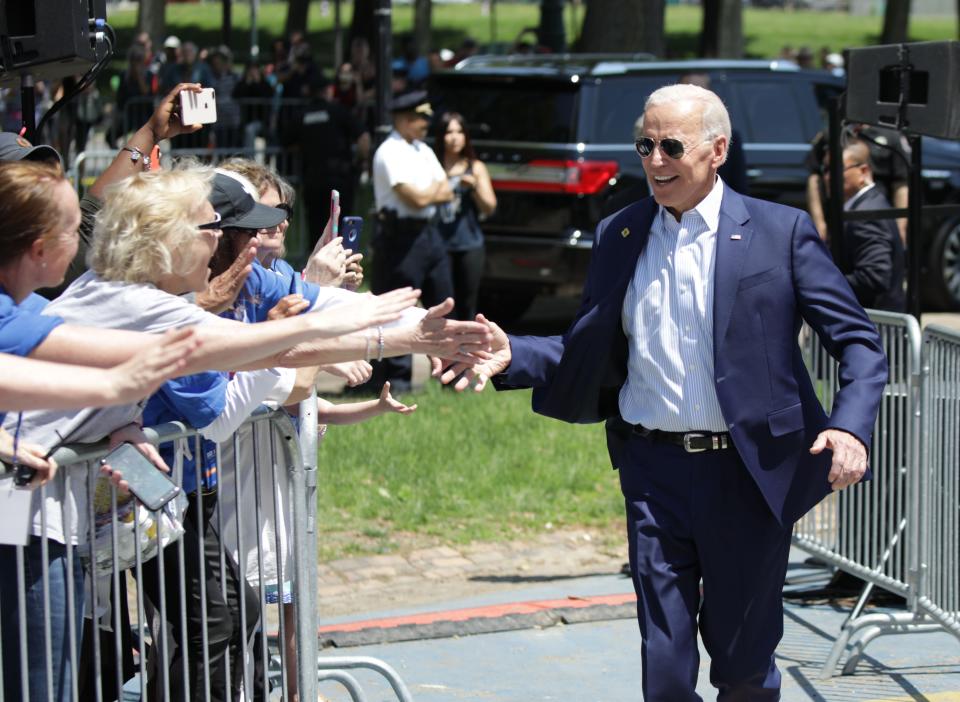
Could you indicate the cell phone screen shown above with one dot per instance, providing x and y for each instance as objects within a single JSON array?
[{"x": 146, "y": 482}]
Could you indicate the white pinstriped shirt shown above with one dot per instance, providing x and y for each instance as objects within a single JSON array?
[{"x": 668, "y": 319}]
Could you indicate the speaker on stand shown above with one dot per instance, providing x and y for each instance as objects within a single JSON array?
[
  {"x": 915, "y": 89},
  {"x": 48, "y": 40}
]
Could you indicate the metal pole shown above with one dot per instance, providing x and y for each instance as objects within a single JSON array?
[
  {"x": 914, "y": 228},
  {"x": 383, "y": 17},
  {"x": 835, "y": 194},
  {"x": 304, "y": 487},
  {"x": 28, "y": 107},
  {"x": 337, "y": 36},
  {"x": 254, "y": 41}
]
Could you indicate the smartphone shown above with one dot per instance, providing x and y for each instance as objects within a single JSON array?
[
  {"x": 148, "y": 484},
  {"x": 352, "y": 226},
  {"x": 198, "y": 108}
]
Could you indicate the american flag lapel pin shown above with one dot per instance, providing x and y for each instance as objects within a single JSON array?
[
  {"x": 735, "y": 237},
  {"x": 625, "y": 232}
]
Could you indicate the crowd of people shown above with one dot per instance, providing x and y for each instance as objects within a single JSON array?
[{"x": 188, "y": 301}]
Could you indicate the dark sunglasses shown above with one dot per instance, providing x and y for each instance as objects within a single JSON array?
[
  {"x": 674, "y": 148},
  {"x": 286, "y": 208},
  {"x": 215, "y": 224}
]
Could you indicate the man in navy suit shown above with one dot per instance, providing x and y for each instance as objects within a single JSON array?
[
  {"x": 686, "y": 345},
  {"x": 871, "y": 253}
]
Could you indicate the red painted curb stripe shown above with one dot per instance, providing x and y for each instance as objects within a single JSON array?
[{"x": 488, "y": 612}]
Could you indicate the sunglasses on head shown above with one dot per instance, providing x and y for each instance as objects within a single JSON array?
[{"x": 674, "y": 148}]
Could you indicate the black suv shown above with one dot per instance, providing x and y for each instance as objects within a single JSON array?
[{"x": 557, "y": 134}]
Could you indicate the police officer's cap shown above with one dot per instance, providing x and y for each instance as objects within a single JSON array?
[{"x": 415, "y": 101}]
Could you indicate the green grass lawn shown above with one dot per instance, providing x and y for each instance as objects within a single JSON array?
[
  {"x": 461, "y": 468},
  {"x": 765, "y": 30}
]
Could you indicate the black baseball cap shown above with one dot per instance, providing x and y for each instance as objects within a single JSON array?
[
  {"x": 233, "y": 199},
  {"x": 14, "y": 147}
]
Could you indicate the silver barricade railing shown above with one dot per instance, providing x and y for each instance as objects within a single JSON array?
[
  {"x": 195, "y": 605},
  {"x": 874, "y": 530},
  {"x": 939, "y": 561}
]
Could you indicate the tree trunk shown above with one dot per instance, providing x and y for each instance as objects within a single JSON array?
[
  {"x": 227, "y": 22},
  {"x": 422, "y": 21},
  {"x": 623, "y": 25},
  {"x": 722, "y": 33},
  {"x": 896, "y": 19},
  {"x": 550, "y": 33},
  {"x": 362, "y": 25},
  {"x": 297, "y": 11},
  {"x": 152, "y": 20}
]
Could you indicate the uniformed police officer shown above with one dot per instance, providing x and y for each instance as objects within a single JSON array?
[{"x": 408, "y": 183}]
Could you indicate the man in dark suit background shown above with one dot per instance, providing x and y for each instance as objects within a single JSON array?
[
  {"x": 872, "y": 256},
  {"x": 685, "y": 344}
]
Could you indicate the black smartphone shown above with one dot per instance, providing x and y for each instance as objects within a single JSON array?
[
  {"x": 147, "y": 483},
  {"x": 350, "y": 231}
]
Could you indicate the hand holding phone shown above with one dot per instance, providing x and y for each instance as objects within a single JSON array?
[
  {"x": 198, "y": 107},
  {"x": 147, "y": 483}
]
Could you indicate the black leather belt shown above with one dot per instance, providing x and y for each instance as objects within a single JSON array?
[{"x": 690, "y": 441}]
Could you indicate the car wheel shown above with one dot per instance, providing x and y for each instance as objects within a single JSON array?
[{"x": 942, "y": 279}]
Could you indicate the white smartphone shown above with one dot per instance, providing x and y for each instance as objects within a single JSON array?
[
  {"x": 198, "y": 108},
  {"x": 146, "y": 481}
]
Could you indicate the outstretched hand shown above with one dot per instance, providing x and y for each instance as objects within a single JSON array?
[
  {"x": 367, "y": 311},
  {"x": 387, "y": 402},
  {"x": 451, "y": 339},
  {"x": 223, "y": 290},
  {"x": 288, "y": 306},
  {"x": 479, "y": 370},
  {"x": 849, "y": 457}
]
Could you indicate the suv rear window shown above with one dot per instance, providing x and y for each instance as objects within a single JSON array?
[
  {"x": 510, "y": 110},
  {"x": 619, "y": 102}
]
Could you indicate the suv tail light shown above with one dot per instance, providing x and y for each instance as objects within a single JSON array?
[{"x": 547, "y": 176}]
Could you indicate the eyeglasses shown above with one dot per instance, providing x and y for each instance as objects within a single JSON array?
[
  {"x": 674, "y": 148},
  {"x": 215, "y": 224},
  {"x": 286, "y": 208}
]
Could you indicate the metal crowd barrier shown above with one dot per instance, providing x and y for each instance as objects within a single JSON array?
[
  {"x": 939, "y": 499},
  {"x": 878, "y": 530},
  {"x": 121, "y": 636}
]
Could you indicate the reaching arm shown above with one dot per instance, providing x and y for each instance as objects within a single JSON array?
[
  {"x": 228, "y": 345},
  {"x": 26, "y": 384}
]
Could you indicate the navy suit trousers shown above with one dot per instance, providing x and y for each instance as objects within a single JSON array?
[{"x": 693, "y": 517}]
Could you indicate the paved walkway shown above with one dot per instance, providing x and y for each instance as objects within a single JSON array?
[{"x": 373, "y": 583}]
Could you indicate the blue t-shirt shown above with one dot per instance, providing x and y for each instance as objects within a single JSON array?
[
  {"x": 264, "y": 288},
  {"x": 22, "y": 327},
  {"x": 196, "y": 400}
]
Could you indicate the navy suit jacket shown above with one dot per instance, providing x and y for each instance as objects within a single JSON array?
[{"x": 771, "y": 272}]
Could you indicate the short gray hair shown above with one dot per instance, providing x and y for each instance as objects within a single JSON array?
[{"x": 715, "y": 119}]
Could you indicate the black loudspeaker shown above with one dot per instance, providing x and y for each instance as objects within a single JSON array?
[
  {"x": 925, "y": 74},
  {"x": 48, "y": 39}
]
